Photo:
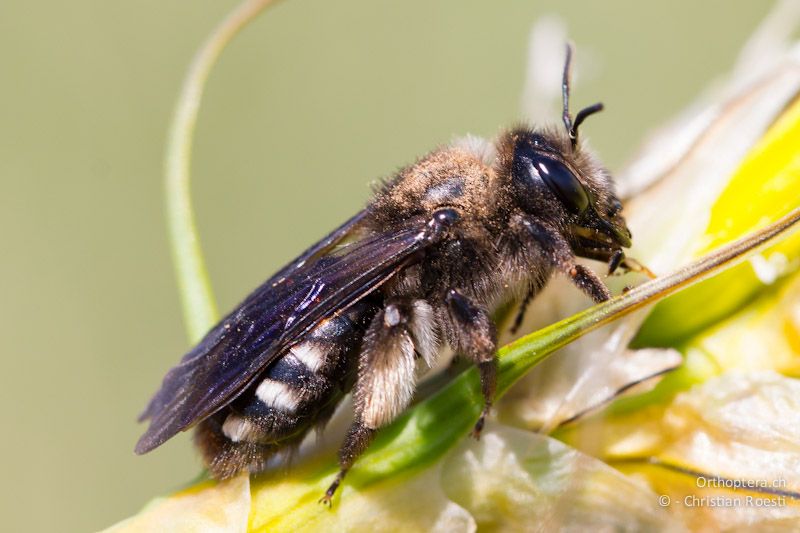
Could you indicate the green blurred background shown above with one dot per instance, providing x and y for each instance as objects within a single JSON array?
[{"x": 308, "y": 105}]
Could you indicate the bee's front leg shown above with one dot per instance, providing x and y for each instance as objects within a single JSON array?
[
  {"x": 563, "y": 258},
  {"x": 472, "y": 333}
]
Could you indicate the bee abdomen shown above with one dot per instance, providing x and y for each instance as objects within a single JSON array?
[
  {"x": 298, "y": 391},
  {"x": 288, "y": 393}
]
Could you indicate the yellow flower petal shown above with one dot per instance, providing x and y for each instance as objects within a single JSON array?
[{"x": 765, "y": 187}]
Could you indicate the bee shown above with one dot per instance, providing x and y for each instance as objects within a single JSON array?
[{"x": 466, "y": 228}]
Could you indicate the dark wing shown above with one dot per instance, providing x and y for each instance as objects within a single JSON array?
[
  {"x": 320, "y": 248},
  {"x": 303, "y": 261},
  {"x": 275, "y": 316}
]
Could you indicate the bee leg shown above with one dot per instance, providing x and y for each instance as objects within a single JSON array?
[
  {"x": 632, "y": 265},
  {"x": 563, "y": 259},
  {"x": 472, "y": 333},
  {"x": 384, "y": 386},
  {"x": 355, "y": 443},
  {"x": 587, "y": 281},
  {"x": 523, "y": 306}
]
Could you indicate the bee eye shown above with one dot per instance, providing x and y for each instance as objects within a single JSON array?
[{"x": 563, "y": 183}]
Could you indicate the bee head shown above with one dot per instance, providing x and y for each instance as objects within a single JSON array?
[
  {"x": 552, "y": 176},
  {"x": 567, "y": 187}
]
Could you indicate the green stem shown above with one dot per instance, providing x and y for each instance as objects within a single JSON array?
[{"x": 197, "y": 298}]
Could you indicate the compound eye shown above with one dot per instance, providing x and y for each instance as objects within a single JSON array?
[{"x": 563, "y": 183}]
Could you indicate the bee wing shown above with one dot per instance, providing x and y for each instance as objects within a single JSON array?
[
  {"x": 303, "y": 261},
  {"x": 272, "y": 318},
  {"x": 320, "y": 248}
]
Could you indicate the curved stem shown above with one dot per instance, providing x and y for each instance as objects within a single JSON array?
[{"x": 197, "y": 298}]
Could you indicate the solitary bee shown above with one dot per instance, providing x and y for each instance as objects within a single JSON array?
[{"x": 445, "y": 241}]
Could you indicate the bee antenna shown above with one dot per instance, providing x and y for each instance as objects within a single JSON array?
[
  {"x": 572, "y": 127},
  {"x": 581, "y": 116},
  {"x": 565, "y": 116}
]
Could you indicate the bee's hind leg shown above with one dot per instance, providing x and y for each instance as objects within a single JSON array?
[
  {"x": 472, "y": 333},
  {"x": 355, "y": 443},
  {"x": 385, "y": 383}
]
